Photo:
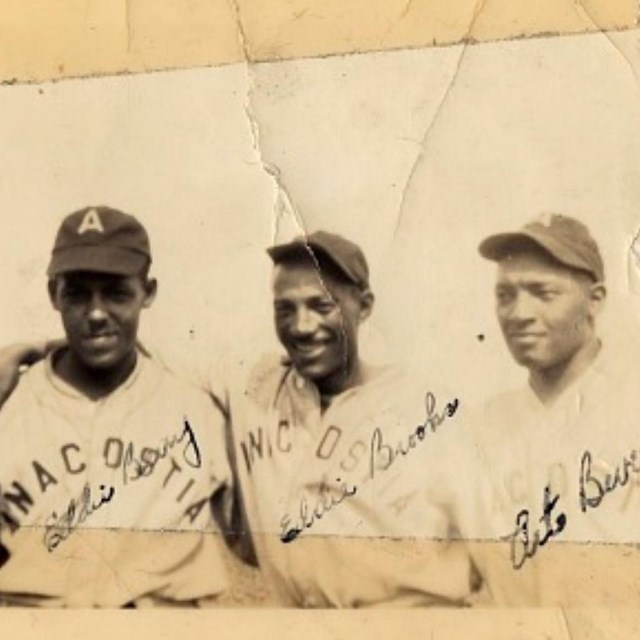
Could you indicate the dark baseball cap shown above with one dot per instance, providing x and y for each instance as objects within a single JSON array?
[
  {"x": 100, "y": 239},
  {"x": 344, "y": 254},
  {"x": 562, "y": 237}
]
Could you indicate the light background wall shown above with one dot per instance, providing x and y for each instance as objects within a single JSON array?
[{"x": 417, "y": 155}]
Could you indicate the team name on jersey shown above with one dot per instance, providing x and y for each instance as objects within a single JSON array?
[
  {"x": 259, "y": 445},
  {"x": 181, "y": 452}
]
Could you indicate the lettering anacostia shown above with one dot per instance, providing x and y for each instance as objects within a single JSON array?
[{"x": 18, "y": 497}]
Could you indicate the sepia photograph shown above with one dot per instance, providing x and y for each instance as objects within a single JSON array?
[{"x": 330, "y": 330}]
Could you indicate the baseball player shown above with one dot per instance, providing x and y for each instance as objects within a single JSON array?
[
  {"x": 336, "y": 459},
  {"x": 107, "y": 461},
  {"x": 559, "y": 480},
  {"x": 337, "y": 462}
]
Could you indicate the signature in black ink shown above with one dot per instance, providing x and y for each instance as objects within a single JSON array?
[
  {"x": 134, "y": 468},
  {"x": 78, "y": 510},
  {"x": 327, "y": 500},
  {"x": 593, "y": 489},
  {"x": 383, "y": 455},
  {"x": 524, "y": 545}
]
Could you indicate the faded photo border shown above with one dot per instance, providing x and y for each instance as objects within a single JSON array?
[
  {"x": 79, "y": 39},
  {"x": 74, "y": 40}
]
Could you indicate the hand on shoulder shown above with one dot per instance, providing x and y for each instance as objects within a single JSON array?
[{"x": 13, "y": 359}]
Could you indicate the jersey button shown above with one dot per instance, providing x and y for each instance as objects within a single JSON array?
[{"x": 300, "y": 382}]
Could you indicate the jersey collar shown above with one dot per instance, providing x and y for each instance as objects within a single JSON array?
[{"x": 68, "y": 390}]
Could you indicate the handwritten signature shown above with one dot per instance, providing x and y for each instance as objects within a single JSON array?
[
  {"x": 79, "y": 509},
  {"x": 307, "y": 516},
  {"x": 524, "y": 543},
  {"x": 381, "y": 457},
  {"x": 77, "y": 512},
  {"x": 134, "y": 468},
  {"x": 593, "y": 489}
]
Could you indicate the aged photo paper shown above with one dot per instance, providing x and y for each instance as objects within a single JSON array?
[{"x": 388, "y": 340}]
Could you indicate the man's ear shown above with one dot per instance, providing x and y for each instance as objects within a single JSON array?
[
  {"x": 597, "y": 297},
  {"x": 366, "y": 304},
  {"x": 52, "y": 287},
  {"x": 150, "y": 291}
]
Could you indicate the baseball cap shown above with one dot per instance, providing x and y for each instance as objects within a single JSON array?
[
  {"x": 563, "y": 237},
  {"x": 344, "y": 254},
  {"x": 100, "y": 239}
]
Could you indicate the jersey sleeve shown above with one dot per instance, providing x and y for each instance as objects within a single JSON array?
[
  {"x": 208, "y": 424},
  {"x": 201, "y": 366}
]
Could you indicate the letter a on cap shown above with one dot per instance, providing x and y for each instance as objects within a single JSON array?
[
  {"x": 90, "y": 222},
  {"x": 546, "y": 219}
]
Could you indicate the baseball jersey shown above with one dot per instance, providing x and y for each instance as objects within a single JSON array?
[
  {"x": 556, "y": 507},
  {"x": 340, "y": 502},
  {"x": 106, "y": 502}
]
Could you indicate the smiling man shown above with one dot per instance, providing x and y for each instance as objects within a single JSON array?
[
  {"x": 336, "y": 457},
  {"x": 107, "y": 461},
  {"x": 546, "y": 451},
  {"x": 320, "y": 300}
]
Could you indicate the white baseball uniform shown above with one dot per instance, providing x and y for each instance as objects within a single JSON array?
[
  {"x": 106, "y": 502},
  {"x": 584, "y": 551},
  {"x": 361, "y": 520}
]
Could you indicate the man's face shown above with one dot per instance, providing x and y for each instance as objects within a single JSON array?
[
  {"x": 317, "y": 319},
  {"x": 545, "y": 311},
  {"x": 100, "y": 314}
]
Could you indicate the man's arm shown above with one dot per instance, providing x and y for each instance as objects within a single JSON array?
[{"x": 16, "y": 356}]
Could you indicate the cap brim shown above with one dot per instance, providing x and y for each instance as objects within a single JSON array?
[
  {"x": 305, "y": 248},
  {"x": 296, "y": 247},
  {"x": 98, "y": 259},
  {"x": 502, "y": 245}
]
